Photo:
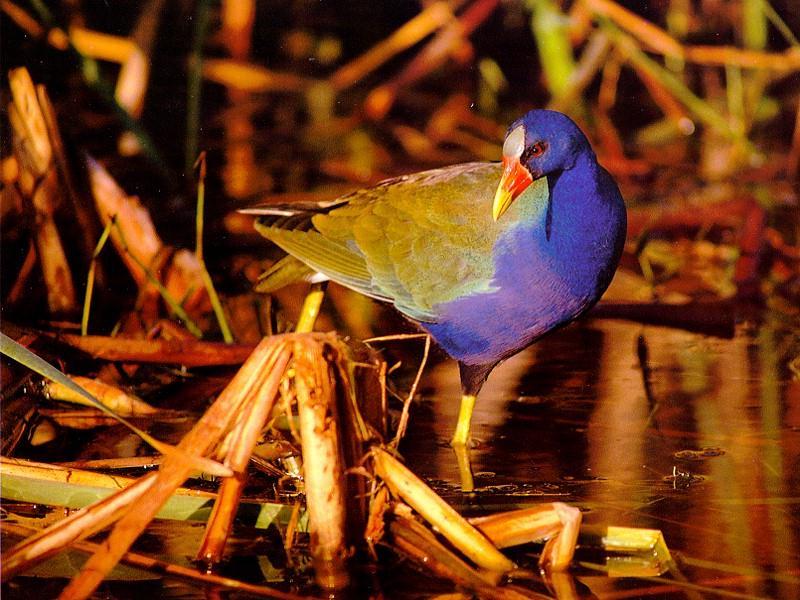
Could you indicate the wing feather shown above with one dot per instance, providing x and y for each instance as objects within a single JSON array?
[{"x": 417, "y": 241}]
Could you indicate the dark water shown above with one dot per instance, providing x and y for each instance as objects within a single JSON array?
[{"x": 643, "y": 427}]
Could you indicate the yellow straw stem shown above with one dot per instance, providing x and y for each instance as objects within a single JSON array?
[{"x": 403, "y": 483}]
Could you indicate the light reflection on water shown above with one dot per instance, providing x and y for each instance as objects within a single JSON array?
[{"x": 576, "y": 417}]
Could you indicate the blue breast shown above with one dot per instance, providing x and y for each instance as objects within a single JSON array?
[{"x": 547, "y": 271}]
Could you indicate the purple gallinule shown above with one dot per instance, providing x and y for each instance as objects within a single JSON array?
[{"x": 486, "y": 257}]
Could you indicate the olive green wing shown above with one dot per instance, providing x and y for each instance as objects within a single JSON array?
[{"x": 417, "y": 241}]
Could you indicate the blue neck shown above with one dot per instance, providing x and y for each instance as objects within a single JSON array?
[{"x": 584, "y": 224}]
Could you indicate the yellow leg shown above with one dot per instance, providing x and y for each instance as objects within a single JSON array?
[
  {"x": 310, "y": 310},
  {"x": 460, "y": 442},
  {"x": 461, "y": 435}
]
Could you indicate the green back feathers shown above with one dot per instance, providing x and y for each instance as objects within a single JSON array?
[{"x": 416, "y": 241}]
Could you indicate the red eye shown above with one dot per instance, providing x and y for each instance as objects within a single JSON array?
[{"x": 533, "y": 151}]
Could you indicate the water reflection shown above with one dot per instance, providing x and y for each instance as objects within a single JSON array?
[{"x": 600, "y": 413}]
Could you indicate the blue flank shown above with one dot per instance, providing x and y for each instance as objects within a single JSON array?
[{"x": 542, "y": 281}]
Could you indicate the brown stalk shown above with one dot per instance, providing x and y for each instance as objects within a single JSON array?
[
  {"x": 40, "y": 186},
  {"x": 658, "y": 40},
  {"x": 190, "y": 353},
  {"x": 555, "y": 522},
  {"x": 793, "y": 157},
  {"x": 381, "y": 99},
  {"x": 434, "y": 16},
  {"x": 238, "y": 19},
  {"x": 416, "y": 541},
  {"x": 135, "y": 225},
  {"x": 20, "y": 286},
  {"x": 404, "y": 484},
  {"x": 787, "y": 61},
  {"x": 322, "y": 467},
  {"x": 159, "y": 566},
  {"x": 245, "y": 436},
  {"x": 650, "y": 35},
  {"x": 252, "y": 379},
  {"x": 252, "y": 78},
  {"x": 83, "y": 214},
  {"x": 116, "y": 399},
  {"x": 22, "y": 19}
]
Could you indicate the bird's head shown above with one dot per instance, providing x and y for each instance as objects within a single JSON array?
[{"x": 540, "y": 143}]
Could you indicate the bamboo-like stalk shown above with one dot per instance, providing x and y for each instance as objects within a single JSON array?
[
  {"x": 520, "y": 526},
  {"x": 403, "y": 483},
  {"x": 252, "y": 379},
  {"x": 111, "y": 396},
  {"x": 41, "y": 187},
  {"x": 416, "y": 541},
  {"x": 381, "y": 99},
  {"x": 82, "y": 212},
  {"x": 245, "y": 437},
  {"x": 136, "y": 507},
  {"x": 652, "y": 36},
  {"x": 322, "y": 466}
]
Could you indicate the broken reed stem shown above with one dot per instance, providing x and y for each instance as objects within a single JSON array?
[
  {"x": 175, "y": 351},
  {"x": 403, "y": 483},
  {"x": 556, "y": 522},
  {"x": 250, "y": 380},
  {"x": 162, "y": 567},
  {"x": 520, "y": 526},
  {"x": 243, "y": 440},
  {"x": 40, "y": 186},
  {"x": 322, "y": 467},
  {"x": 87, "y": 298},
  {"x": 416, "y": 541},
  {"x": 219, "y": 313}
]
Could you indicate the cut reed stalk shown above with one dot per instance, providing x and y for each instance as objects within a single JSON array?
[
  {"x": 322, "y": 464},
  {"x": 404, "y": 484}
]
